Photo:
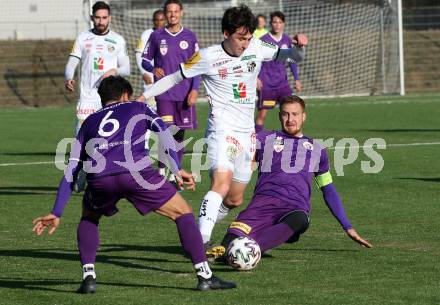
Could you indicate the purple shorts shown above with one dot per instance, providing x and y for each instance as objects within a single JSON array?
[
  {"x": 268, "y": 99},
  {"x": 261, "y": 213},
  {"x": 177, "y": 113},
  {"x": 103, "y": 193}
]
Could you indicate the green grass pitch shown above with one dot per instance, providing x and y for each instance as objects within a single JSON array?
[{"x": 140, "y": 260}]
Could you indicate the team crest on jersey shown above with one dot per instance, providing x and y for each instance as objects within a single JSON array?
[
  {"x": 278, "y": 144},
  {"x": 251, "y": 66},
  {"x": 163, "y": 47},
  {"x": 183, "y": 45},
  {"x": 110, "y": 48},
  {"x": 223, "y": 73},
  {"x": 308, "y": 145},
  {"x": 283, "y": 46},
  {"x": 239, "y": 90}
]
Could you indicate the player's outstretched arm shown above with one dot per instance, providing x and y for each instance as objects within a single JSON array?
[
  {"x": 357, "y": 238},
  {"x": 41, "y": 223},
  {"x": 162, "y": 85},
  {"x": 297, "y": 53}
]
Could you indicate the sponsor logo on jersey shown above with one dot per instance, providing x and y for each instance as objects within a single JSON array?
[
  {"x": 308, "y": 145},
  {"x": 247, "y": 57},
  {"x": 223, "y": 73},
  {"x": 251, "y": 66},
  {"x": 221, "y": 63},
  {"x": 237, "y": 69},
  {"x": 183, "y": 45},
  {"x": 110, "y": 40},
  {"x": 98, "y": 63},
  {"x": 239, "y": 90},
  {"x": 192, "y": 60},
  {"x": 278, "y": 144},
  {"x": 168, "y": 118},
  {"x": 163, "y": 47},
  {"x": 235, "y": 142},
  {"x": 268, "y": 44},
  {"x": 99, "y": 48}
]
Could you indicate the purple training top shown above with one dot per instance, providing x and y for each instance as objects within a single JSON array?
[
  {"x": 273, "y": 73},
  {"x": 112, "y": 141},
  {"x": 168, "y": 50}
]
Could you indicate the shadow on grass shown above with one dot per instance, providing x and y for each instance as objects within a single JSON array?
[
  {"x": 49, "y": 154},
  {"x": 318, "y": 250},
  {"x": 404, "y": 130},
  {"x": 32, "y": 284},
  {"x": 117, "y": 260},
  {"x": 27, "y": 190},
  {"x": 431, "y": 179}
]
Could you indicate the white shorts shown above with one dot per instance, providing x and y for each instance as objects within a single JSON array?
[
  {"x": 84, "y": 109},
  {"x": 231, "y": 150}
]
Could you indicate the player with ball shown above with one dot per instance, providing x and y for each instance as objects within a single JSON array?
[{"x": 279, "y": 211}]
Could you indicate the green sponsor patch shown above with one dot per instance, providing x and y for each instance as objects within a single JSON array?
[{"x": 110, "y": 40}]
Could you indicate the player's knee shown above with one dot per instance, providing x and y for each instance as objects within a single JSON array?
[
  {"x": 221, "y": 188},
  {"x": 298, "y": 221},
  {"x": 233, "y": 201},
  {"x": 93, "y": 218}
]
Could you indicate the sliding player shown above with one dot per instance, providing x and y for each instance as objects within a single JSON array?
[
  {"x": 106, "y": 143},
  {"x": 288, "y": 161}
]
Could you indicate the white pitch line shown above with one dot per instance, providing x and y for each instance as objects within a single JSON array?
[
  {"x": 366, "y": 103},
  {"x": 198, "y": 154}
]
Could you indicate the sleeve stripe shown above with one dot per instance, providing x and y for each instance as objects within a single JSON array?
[
  {"x": 74, "y": 56},
  {"x": 181, "y": 72},
  {"x": 324, "y": 179},
  {"x": 278, "y": 53}
]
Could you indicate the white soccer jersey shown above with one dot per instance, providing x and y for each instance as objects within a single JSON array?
[
  {"x": 98, "y": 54},
  {"x": 143, "y": 40},
  {"x": 231, "y": 83}
]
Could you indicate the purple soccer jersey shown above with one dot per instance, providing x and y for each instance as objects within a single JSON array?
[
  {"x": 273, "y": 73},
  {"x": 287, "y": 166},
  {"x": 111, "y": 142},
  {"x": 168, "y": 50}
]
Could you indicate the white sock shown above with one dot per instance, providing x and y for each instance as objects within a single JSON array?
[
  {"x": 203, "y": 270},
  {"x": 89, "y": 269},
  {"x": 162, "y": 172},
  {"x": 223, "y": 211},
  {"x": 208, "y": 214}
]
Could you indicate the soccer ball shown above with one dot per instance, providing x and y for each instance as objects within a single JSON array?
[{"x": 243, "y": 253}]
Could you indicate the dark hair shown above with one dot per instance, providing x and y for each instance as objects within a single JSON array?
[
  {"x": 278, "y": 14},
  {"x": 236, "y": 17},
  {"x": 292, "y": 99},
  {"x": 261, "y": 16},
  {"x": 178, "y": 2},
  {"x": 158, "y": 12},
  {"x": 112, "y": 88},
  {"x": 100, "y": 5}
]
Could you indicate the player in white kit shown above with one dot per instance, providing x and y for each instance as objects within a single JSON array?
[
  {"x": 229, "y": 71},
  {"x": 102, "y": 53}
]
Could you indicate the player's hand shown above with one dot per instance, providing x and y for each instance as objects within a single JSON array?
[
  {"x": 357, "y": 238},
  {"x": 300, "y": 40},
  {"x": 259, "y": 84},
  {"x": 192, "y": 97},
  {"x": 147, "y": 79},
  {"x": 185, "y": 180},
  {"x": 158, "y": 72},
  {"x": 109, "y": 73},
  {"x": 298, "y": 86},
  {"x": 141, "y": 99},
  {"x": 70, "y": 85},
  {"x": 41, "y": 223}
]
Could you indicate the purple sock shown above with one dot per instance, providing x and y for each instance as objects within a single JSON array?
[
  {"x": 273, "y": 236},
  {"x": 88, "y": 241},
  {"x": 258, "y": 128},
  {"x": 190, "y": 238}
]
